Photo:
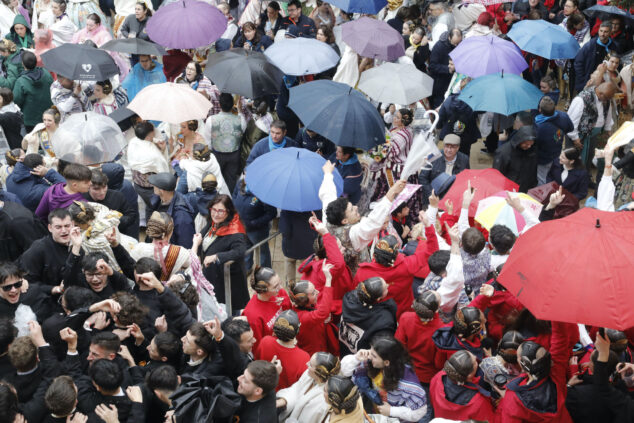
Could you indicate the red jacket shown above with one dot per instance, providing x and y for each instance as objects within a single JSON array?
[
  {"x": 502, "y": 306},
  {"x": 261, "y": 315},
  {"x": 441, "y": 390},
  {"x": 416, "y": 337},
  {"x": 294, "y": 360},
  {"x": 400, "y": 276},
  {"x": 312, "y": 332}
]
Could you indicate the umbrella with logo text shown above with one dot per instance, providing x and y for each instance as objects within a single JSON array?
[{"x": 80, "y": 62}]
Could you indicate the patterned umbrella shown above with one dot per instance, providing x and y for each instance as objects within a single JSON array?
[{"x": 495, "y": 210}]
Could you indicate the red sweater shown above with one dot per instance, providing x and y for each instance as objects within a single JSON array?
[
  {"x": 312, "y": 332},
  {"x": 262, "y": 314},
  {"x": 478, "y": 408},
  {"x": 294, "y": 360},
  {"x": 502, "y": 307},
  {"x": 400, "y": 276},
  {"x": 416, "y": 337}
]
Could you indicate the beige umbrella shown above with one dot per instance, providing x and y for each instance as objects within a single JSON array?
[{"x": 170, "y": 102}]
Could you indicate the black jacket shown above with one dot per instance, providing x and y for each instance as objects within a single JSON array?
[
  {"x": 438, "y": 166},
  {"x": 46, "y": 262},
  {"x": 254, "y": 213},
  {"x": 520, "y": 166},
  {"x": 223, "y": 361},
  {"x": 19, "y": 229},
  {"x": 577, "y": 181},
  {"x": 183, "y": 215},
  {"x": 297, "y": 236},
  {"x": 438, "y": 68},
  {"x": 129, "y": 220},
  {"x": 452, "y": 111},
  {"x": 261, "y": 411},
  {"x": 37, "y": 297},
  {"x": 12, "y": 124},
  {"x": 116, "y": 282}
]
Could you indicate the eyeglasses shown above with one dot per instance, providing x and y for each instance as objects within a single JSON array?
[
  {"x": 219, "y": 212},
  {"x": 92, "y": 275},
  {"x": 17, "y": 285}
]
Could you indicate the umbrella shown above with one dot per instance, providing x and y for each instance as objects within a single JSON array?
[
  {"x": 80, "y": 62},
  {"x": 495, "y": 210},
  {"x": 373, "y": 38},
  {"x": 487, "y": 182},
  {"x": 544, "y": 39},
  {"x": 477, "y": 56},
  {"x": 186, "y": 24},
  {"x": 134, "y": 46},
  {"x": 606, "y": 12},
  {"x": 339, "y": 113},
  {"x": 88, "y": 138},
  {"x": 370, "y": 7},
  {"x": 501, "y": 93},
  {"x": 122, "y": 117},
  {"x": 396, "y": 83},
  {"x": 577, "y": 269},
  {"x": 256, "y": 77},
  {"x": 487, "y": 2},
  {"x": 170, "y": 102},
  {"x": 289, "y": 178},
  {"x": 302, "y": 56}
]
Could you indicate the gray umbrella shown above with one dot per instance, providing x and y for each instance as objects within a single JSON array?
[{"x": 134, "y": 46}]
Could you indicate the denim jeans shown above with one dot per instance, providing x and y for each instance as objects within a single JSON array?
[
  {"x": 265, "y": 254},
  {"x": 430, "y": 410}
]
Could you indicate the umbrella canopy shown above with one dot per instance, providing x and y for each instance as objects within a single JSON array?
[
  {"x": 607, "y": 12},
  {"x": 88, "y": 138},
  {"x": 487, "y": 182},
  {"x": 577, "y": 269},
  {"x": 478, "y": 56},
  {"x": 396, "y": 83},
  {"x": 302, "y": 56},
  {"x": 80, "y": 62},
  {"x": 122, "y": 117},
  {"x": 373, "y": 38},
  {"x": 495, "y": 210},
  {"x": 370, "y": 7},
  {"x": 134, "y": 46},
  {"x": 170, "y": 102},
  {"x": 339, "y": 113},
  {"x": 544, "y": 39},
  {"x": 186, "y": 24},
  {"x": 487, "y": 2},
  {"x": 257, "y": 76},
  {"x": 289, "y": 178},
  {"x": 501, "y": 93}
]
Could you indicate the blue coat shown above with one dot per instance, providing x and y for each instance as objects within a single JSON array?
[
  {"x": 254, "y": 213},
  {"x": 453, "y": 110},
  {"x": 183, "y": 216},
  {"x": 576, "y": 182},
  {"x": 116, "y": 173},
  {"x": 262, "y": 147},
  {"x": 437, "y": 167},
  {"x": 352, "y": 174},
  {"x": 30, "y": 188},
  {"x": 551, "y": 131},
  {"x": 585, "y": 62}
]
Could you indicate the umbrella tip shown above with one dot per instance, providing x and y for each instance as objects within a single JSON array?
[{"x": 598, "y": 224}]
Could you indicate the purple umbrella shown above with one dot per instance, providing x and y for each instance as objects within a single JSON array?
[
  {"x": 373, "y": 38},
  {"x": 186, "y": 24},
  {"x": 484, "y": 55}
]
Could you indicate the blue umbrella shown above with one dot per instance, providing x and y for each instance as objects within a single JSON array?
[
  {"x": 370, "y": 7},
  {"x": 339, "y": 113},
  {"x": 289, "y": 178},
  {"x": 302, "y": 56},
  {"x": 544, "y": 39},
  {"x": 501, "y": 93},
  {"x": 606, "y": 12}
]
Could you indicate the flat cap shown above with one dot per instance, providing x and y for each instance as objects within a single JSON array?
[{"x": 164, "y": 180}]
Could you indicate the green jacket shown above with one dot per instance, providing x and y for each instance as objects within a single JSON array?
[
  {"x": 32, "y": 93},
  {"x": 13, "y": 36},
  {"x": 11, "y": 69}
]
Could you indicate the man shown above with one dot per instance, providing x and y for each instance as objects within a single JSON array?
[
  {"x": 32, "y": 91},
  {"x": 93, "y": 272},
  {"x": 523, "y": 9},
  {"x": 619, "y": 35},
  {"x": 452, "y": 162},
  {"x": 144, "y": 73},
  {"x": 551, "y": 126},
  {"x": 160, "y": 384},
  {"x": 517, "y": 159},
  {"x": 114, "y": 200},
  {"x": 591, "y": 113},
  {"x": 117, "y": 182},
  {"x": 441, "y": 67},
  {"x": 31, "y": 303},
  {"x": 63, "y": 195},
  {"x": 225, "y": 131},
  {"x": 240, "y": 331},
  {"x": 30, "y": 179},
  {"x": 257, "y": 386},
  {"x": 347, "y": 163},
  {"x": 305, "y": 25},
  {"x": 166, "y": 199},
  {"x": 277, "y": 139},
  {"x": 592, "y": 54},
  {"x": 69, "y": 97},
  {"x": 8, "y": 333}
]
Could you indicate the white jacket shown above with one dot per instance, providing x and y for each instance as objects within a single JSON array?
[{"x": 304, "y": 401}]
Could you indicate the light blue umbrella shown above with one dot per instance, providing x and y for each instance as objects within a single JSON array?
[
  {"x": 544, "y": 39},
  {"x": 502, "y": 93},
  {"x": 289, "y": 178},
  {"x": 302, "y": 56},
  {"x": 370, "y": 7}
]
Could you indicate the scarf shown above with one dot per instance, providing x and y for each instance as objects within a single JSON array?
[
  {"x": 158, "y": 254},
  {"x": 274, "y": 146},
  {"x": 606, "y": 46},
  {"x": 413, "y": 44},
  {"x": 234, "y": 226}
]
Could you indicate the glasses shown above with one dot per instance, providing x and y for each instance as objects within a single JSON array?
[
  {"x": 219, "y": 212},
  {"x": 92, "y": 275},
  {"x": 17, "y": 285}
]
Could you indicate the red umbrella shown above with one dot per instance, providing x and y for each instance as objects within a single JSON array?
[
  {"x": 487, "y": 183},
  {"x": 577, "y": 269}
]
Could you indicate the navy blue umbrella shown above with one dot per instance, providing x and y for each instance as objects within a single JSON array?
[{"x": 339, "y": 113}]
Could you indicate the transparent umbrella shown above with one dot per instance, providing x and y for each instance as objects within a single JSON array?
[{"x": 88, "y": 138}]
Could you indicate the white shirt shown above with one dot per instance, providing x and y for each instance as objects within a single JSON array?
[{"x": 575, "y": 111}]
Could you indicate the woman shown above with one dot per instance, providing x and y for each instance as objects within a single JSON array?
[
  {"x": 455, "y": 393},
  {"x": 267, "y": 303},
  {"x": 63, "y": 27},
  {"x": 193, "y": 75},
  {"x": 11, "y": 157},
  {"x": 485, "y": 25},
  {"x": 43, "y": 39},
  {"x": 419, "y": 50},
  {"x": 250, "y": 39},
  {"x": 468, "y": 324},
  {"x": 386, "y": 380},
  {"x": 343, "y": 397},
  {"x": 294, "y": 360},
  {"x": 20, "y": 32},
  {"x": 105, "y": 102},
  {"x": 305, "y": 398},
  {"x": 364, "y": 314},
  {"x": 258, "y": 127},
  {"x": 185, "y": 140},
  {"x": 134, "y": 25},
  {"x": 325, "y": 35},
  {"x": 93, "y": 31},
  {"x": 11, "y": 62},
  {"x": 194, "y": 168},
  {"x": 271, "y": 21},
  {"x": 568, "y": 171},
  {"x": 41, "y": 136},
  {"x": 224, "y": 239},
  {"x": 42, "y": 14},
  {"x": 11, "y": 119}
]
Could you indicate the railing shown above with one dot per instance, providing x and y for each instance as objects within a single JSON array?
[{"x": 227, "y": 271}]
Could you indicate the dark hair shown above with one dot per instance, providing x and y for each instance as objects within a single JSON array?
[
  {"x": 319, "y": 248},
  {"x": 106, "y": 374},
  {"x": 502, "y": 238},
  {"x": 370, "y": 291},
  {"x": 33, "y": 160},
  {"x": 606, "y": 24},
  {"x": 168, "y": 345},
  {"x": 459, "y": 366},
  {"x": 574, "y": 19},
  {"x": 7, "y": 95},
  {"x": 163, "y": 378},
  {"x": 226, "y": 102},
  {"x": 511, "y": 340},
  {"x": 62, "y": 4},
  {"x": 95, "y": 18},
  {"x": 327, "y": 30},
  {"x": 89, "y": 262},
  {"x": 78, "y": 297},
  {"x": 547, "y": 106},
  {"x": 426, "y": 305},
  {"x": 534, "y": 15},
  {"x": 295, "y": 3},
  {"x": 613, "y": 360},
  {"x": 185, "y": 291},
  {"x": 29, "y": 60},
  {"x": 286, "y": 326},
  {"x": 256, "y": 37},
  {"x": 8, "y": 270},
  {"x": 467, "y": 321},
  {"x": 106, "y": 340},
  {"x": 159, "y": 225},
  {"x": 274, "y": 5},
  {"x": 61, "y": 396},
  {"x": 526, "y": 118},
  {"x": 297, "y": 293},
  {"x": 527, "y": 323},
  {"x": 473, "y": 241},
  {"x": 106, "y": 86},
  {"x": 81, "y": 212},
  {"x": 199, "y": 72},
  {"x": 575, "y": 155},
  {"x": 58, "y": 214},
  {"x": 336, "y": 211},
  {"x": 438, "y": 261},
  {"x": 77, "y": 172},
  {"x": 326, "y": 365},
  {"x": 8, "y": 332},
  {"x": 386, "y": 251},
  {"x": 389, "y": 349},
  {"x": 234, "y": 328},
  {"x": 406, "y": 116},
  {"x": 342, "y": 394},
  {"x": 132, "y": 309},
  {"x": 280, "y": 124},
  {"x": 11, "y": 156},
  {"x": 348, "y": 151},
  {"x": 192, "y": 125},
  {"x": 143, "y": 129},
  {"x": 99, "y": 178},
  {"x": 148, "y": 264},
  {"x": 530, "y": 362},
  {"x": 203, "y": 338},
  {"x": 261, "y": 278},
  {"x": 226, "y": 201},
  {"x": 8, "y": 402},
  {"x": 264, "y": 375},
  {"x": 145, "y": 8}
]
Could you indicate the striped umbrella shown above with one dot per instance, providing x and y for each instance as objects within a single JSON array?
[{"x": 495, "y": 210}]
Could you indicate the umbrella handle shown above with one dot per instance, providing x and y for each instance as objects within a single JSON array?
[{"x": 433, "y": 125}]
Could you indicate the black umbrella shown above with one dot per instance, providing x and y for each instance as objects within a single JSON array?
[
  {"x": 249, "y": 74},
  {"x": 80, "y": 62},
  {"x": 122, "y": 116},
  {"x": 607, "y": 12},
  {"x": 134, "y": 46}
]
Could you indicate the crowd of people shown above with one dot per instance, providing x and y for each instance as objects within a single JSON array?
[{"x": 113, "y": 276}]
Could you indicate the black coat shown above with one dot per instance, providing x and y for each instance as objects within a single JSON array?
[
  {"x": 45, "y": 262},
  {"x": 225, "y": 360},
  {"x": 19, "y": 228},
  {"x": 12, "y": 124},
  {"x": 297, "y": 236},
  {"x": 438, "y": 68},
  {"x": 37, "y": 297},
  {"x": 129, "y": 220},
  {"x": 254, "y": 213},
  {"x": 520, "y": 166},
  {"x": 452, "y": 111},
  {"x": 587, "y": 58},
  {"x": 116, "y": 282},
  {"x": 438, "y": 166}
]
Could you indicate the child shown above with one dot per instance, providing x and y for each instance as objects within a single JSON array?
[{"x": 62, "y": 194}]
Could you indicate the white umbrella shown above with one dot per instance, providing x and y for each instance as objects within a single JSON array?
[
  {"x": 302, "y": 56},
  {"x": 88, "y": 138},
  {"x": 170, "y": 102},
  {"x": 396, "y": 83}
]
